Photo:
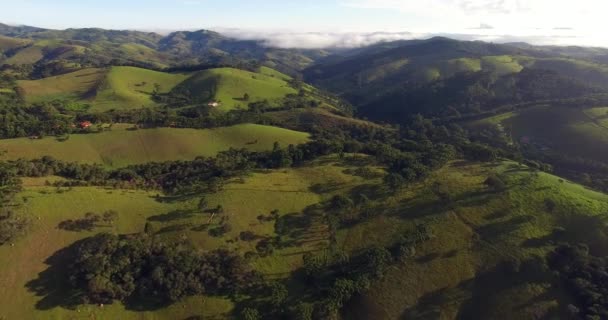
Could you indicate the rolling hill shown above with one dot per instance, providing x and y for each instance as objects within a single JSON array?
[
  {"x": 287, "y": 191},
  {"x": 125, "y": 88},
  {"x": 475, "y": 239},
  {"x": 228, "y": 87},
  {"x": 121, "y": 147},
  {"x": 463, "y": 272},
  {"x": 391, "y": 82}
]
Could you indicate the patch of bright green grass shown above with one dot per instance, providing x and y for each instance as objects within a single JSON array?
[
  {"x": 501, "y": 65},
  {"x": 131, "y": 87},
  {"x": 228, "y": 86}
]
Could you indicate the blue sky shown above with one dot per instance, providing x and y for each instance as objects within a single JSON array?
[
  {"x": 292, "y": 21},
  {"x": 192, "y": 14}
]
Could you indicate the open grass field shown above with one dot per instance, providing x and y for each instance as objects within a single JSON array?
[
  {"x": 228, "y": 86},
  {"x": 121, "y": 147},
  {"x": 131, "y": 88},
  {"x": 23, "y": 265},
  {"x": 103, "y": 89},
  {"x": 75, "y": 86},
  {"x": 455, "y": 274},
  {"x": 27, "y": 268}
]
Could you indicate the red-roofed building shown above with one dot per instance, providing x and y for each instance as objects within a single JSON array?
[{"x": 85, "y": 124}]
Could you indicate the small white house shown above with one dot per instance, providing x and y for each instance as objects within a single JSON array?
[{"x": 213, "y": 104}]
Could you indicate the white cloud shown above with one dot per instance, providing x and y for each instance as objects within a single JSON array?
[{"x": 316, "y": 40}]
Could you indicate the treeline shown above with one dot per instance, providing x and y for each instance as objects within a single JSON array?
[
  {"x": 108, "y": 267},
  {"x": 11, "y": 224},
  {"x": 585, "y": 277},
  {"x": 61, "y": 117},
  {"x": 409, "y": 159}
]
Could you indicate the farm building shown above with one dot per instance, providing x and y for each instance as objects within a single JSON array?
[{"x": 85, "y": 124}]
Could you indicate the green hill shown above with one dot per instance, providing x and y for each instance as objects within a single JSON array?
[
  {"x": 121, "y": 147},
  {"x": 228, "y": 86},
  {"x": 131, "y": 88},
  {"x": 76, "y": 86},
  {"x": 462, "y": 272}
]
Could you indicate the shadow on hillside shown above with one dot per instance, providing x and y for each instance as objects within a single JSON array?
[
  {"x": 498, "y": 229},
  {"x": 175, "y": 198},
  {"x": 486, "y": 289},
  {"x": 52, "y": 284},
  {"x": 371, "y": 191},
  {"x": 322, "y": 188},
  {"x": 172, "y": 216},
  {"x": 477, "y": 297}
]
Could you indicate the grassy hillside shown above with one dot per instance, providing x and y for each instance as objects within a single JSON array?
[
  {"x": 31, "y": 266},
  {"x": 77, "y": 86},
  {"x": 460, "y": 272},
  {"x": 228, "y": 86},
  {"x": 130, "y": 87},
  {"x": 104, "y": 89},
  {"x": 121, "y": 147},
  {"x": 24, "y": 264},
  {"x": 29, "y": 55},
  {"x": 7, "y": 43}
]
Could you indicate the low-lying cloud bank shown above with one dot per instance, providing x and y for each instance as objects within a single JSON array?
[{"x": 321, "y": 40}]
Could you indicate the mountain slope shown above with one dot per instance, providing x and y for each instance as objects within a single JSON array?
[{"x": 441, "y": 76}]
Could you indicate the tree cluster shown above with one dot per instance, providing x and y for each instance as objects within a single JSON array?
[{"x": 107, "y": 267}]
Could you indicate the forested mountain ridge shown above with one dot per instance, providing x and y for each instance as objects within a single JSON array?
[{"x": 52, "y": 52}]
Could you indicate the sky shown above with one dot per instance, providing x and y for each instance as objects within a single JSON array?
[{"x": 325, "y": 23}]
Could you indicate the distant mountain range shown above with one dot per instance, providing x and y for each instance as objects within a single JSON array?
[
  {"x": 67, "y": 50},
  {"x": 387, "y": 81}
]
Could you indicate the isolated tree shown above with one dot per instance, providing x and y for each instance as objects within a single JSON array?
[
  {"x": 250, "y": 314},
  {"x": 278, "y": 294},
  {"x": 202, "y": 204},
  {"x": 156, "y": 90},
  {"x": 495, "y": 183},
  {"x": 394, "y": 181},
  {"x": 246, "y": 97},
  {"x": 302, "y": 311},
  {"x": 341, "y": 202},
  {"x": 110, "y": 217}
]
